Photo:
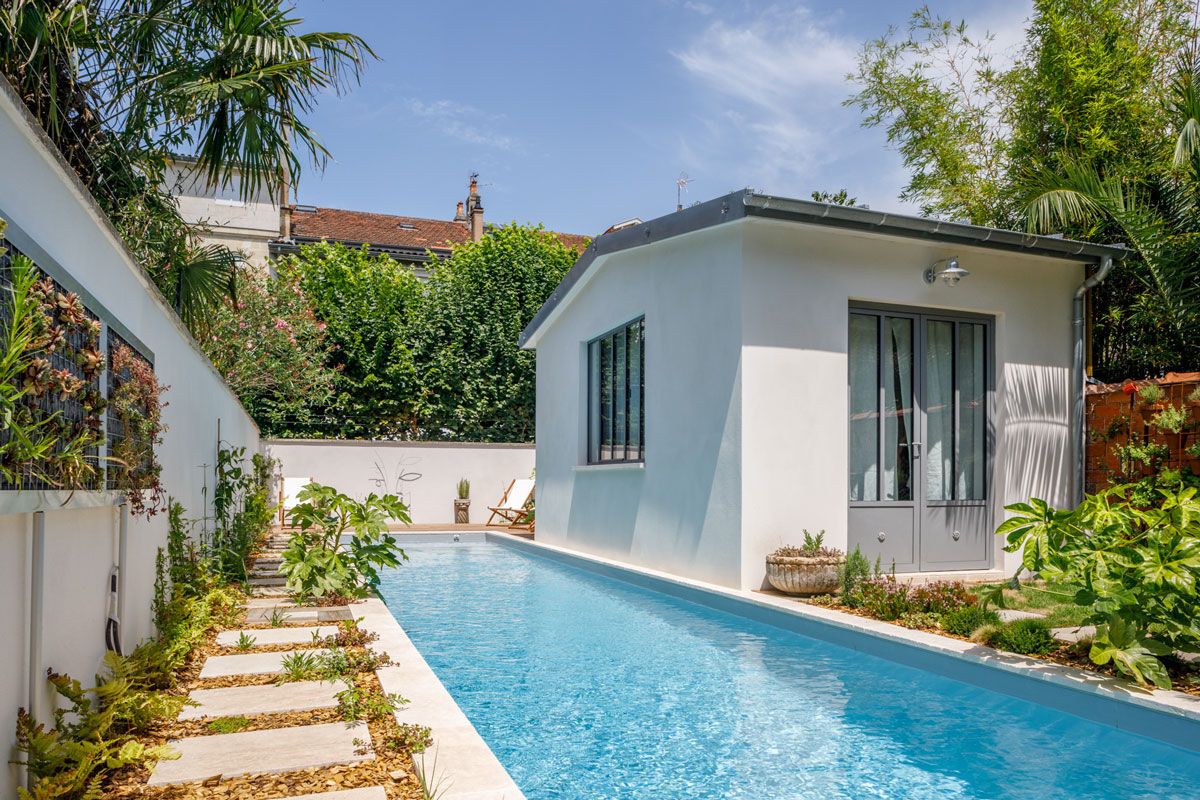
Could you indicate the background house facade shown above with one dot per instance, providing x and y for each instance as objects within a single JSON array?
[{"x": 748, "y": 305}]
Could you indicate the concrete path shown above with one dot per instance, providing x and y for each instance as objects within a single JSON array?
[
  {"x": 249, "y": 663},
  {"x": 264, "y": 636},
  {"x": 262, "y": 614},
  {"x": 240, "y": 701},
  {"x": 258, "y": 752}
]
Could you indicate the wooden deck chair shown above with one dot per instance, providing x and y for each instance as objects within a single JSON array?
[
  {"x": 511, "y": 507},
  {"x": 290, "y": 489}
]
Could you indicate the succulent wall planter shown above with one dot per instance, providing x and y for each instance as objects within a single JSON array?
[{"x": 803, "y": 575}]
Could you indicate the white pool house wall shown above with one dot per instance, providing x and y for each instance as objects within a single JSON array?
[
  {"x": 746, "y": 397},
  {"x": 680, "y": 512},
  {"x": 799, "y": 283},
  {"x": 43, "y": 202}
]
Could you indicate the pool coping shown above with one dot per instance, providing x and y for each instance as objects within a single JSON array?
[
  {"x": 459, "y": 757},
  {"x": 1167, "y": 716}
]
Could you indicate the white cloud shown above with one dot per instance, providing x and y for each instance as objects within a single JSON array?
[
  {"x": 463, "y": 122},
  {"x": 775, "y": 85}
]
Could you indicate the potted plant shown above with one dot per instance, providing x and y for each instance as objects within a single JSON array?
[
  {"x": 1151, "y": 397},
  {"x": 809, "y": 569},
  {"x": 1193, "y": 401},
  {"x": 462, "y": 504}
]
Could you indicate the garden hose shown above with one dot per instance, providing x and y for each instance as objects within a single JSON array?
[{"x": 112, "y": 626}]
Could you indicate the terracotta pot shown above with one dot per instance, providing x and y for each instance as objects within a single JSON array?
[
  {"x": 803, "y": 574},
  {"x": 462, "y": 511},
  {"x": 1148, "y": 412}
]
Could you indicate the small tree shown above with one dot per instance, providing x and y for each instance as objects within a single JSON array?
[{"x": 475, "y": 382}]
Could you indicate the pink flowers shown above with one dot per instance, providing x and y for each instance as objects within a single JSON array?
[{"x": 281, "y": 324}]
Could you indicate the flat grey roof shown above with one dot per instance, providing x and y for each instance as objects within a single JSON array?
[{"x": 739, "y": 205}]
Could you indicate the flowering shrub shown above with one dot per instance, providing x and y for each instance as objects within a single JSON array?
[
  {"x": 270, "y": 347},
  {"x": 882, "y": 597},
  {"x": 940, "y": 597}
]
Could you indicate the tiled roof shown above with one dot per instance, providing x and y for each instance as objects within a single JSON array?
[
  {"x": 388, "y": 230},
  {"x": 384, "y": 230}
]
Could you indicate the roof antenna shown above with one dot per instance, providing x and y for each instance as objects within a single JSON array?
[{"x": 680, "y": 187}]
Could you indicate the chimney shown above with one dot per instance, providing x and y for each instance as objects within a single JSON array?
[
  {"x": 475, "y": 210},
  {"x": 459, "y": 216}
]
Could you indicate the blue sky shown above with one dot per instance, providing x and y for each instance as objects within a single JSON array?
[{"x": 579, "y": 115}]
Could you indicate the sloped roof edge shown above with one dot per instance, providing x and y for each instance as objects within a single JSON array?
[{"x": 739, "y": 205}]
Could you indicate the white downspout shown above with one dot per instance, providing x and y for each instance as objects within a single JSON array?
[
  {"x": 1079, "y": 380},
  {"x": 37, "y": 683}
]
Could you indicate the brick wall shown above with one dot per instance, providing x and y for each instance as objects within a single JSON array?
[{"x": 1115, "y": 416}]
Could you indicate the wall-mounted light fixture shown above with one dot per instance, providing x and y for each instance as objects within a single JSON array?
[{"x": 952, "y": 273}]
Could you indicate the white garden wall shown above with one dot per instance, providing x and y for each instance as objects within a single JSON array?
[
  {"x": 54, "y": 220},
  {"x": 424, "y": 475}
]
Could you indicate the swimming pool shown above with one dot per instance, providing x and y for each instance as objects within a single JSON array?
[{"x": 588, "y": 687}]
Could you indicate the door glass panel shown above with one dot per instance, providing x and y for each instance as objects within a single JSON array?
[
  {"x": 620, "y": 396},
  {"x": 939, "y": 410},
  {"x": 864, "y": 407},
  {"x": 898, "y": 414},
  {"x": 972, "y": 411},
  {"x": 606, "y": 400}
]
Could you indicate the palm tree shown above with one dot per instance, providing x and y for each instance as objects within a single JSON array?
[{"x": 1159, "y": 215}]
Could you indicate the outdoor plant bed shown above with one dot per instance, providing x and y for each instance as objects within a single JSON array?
[{"x": 806, "y": 570}]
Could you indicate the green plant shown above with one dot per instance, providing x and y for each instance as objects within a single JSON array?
[
  {"x": 1150, "y": 395},
  {"x": 278, "y": 617},
  {"x": 1136, "y": 568},
  {"x": 966, "y": 620},
  {"x": 826, "y": 600},
  {"x": 316, "y": 563},
  {"x": 339, "y": 662},
  {"x": 356, "y": 702},
  {"x": 349, "y": 634},
  {"x": 228, "y": 724},
  {"x": 1170, "y": 419},
  {"x": 137, "y": 404},
  {"x": 1029, "y": 637},
  {"x": 919, "y": 619},
  {"x": 245, "y": 642},
  {"x": 464, "y": 488},
  {"x": 93, "y": 734},
  {"x": 853, "y": 571},
  {"x": 882, "y": 597},
  {"x": 432, "y": 783},
  {"x": 411, "y": 738},
  {"x": 938, "y": 597},
  {"x": 1193, "y": 397},
  {"x": 298, "y": 666}
]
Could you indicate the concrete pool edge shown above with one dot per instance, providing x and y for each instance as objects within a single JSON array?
[
  {"x": 1166, "y": 716},
  {"x": 467, "y": 767}
]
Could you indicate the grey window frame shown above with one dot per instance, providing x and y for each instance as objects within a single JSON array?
[{"x": 595, "y": 446}]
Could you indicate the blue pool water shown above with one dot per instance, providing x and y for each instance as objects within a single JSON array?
[{"x": 587, "y": 687}]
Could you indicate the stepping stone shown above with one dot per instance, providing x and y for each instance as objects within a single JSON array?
[
  {"x": 1072, "y": 635},
  {"x": 271, "y": 581},
  {"x": 1011, "y": 615},
  {"x": 247, "y": 664},
  {"x": 363, "y": 793},
  {"x": 262, "y": 614},
  {"x": 276, "y": 635},
  {"x": 238, "y": 701},
  {"x": 272, "y": 591},
  {"x": 334, "y": 614},
  {"x": 257, "y": 752}
]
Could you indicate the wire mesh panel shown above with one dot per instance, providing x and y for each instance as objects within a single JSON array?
[
  {"x": 116, "y": 430},
  {"x": 62, "y": 382}
]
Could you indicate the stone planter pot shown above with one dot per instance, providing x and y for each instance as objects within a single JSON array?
[
  {"x": 1148, "y": 412},
  {"x": 803, "y": 574},
  {"x": 462, "y": 511}
]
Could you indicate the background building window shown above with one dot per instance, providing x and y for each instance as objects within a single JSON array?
[{"x": 616, "y": 395}]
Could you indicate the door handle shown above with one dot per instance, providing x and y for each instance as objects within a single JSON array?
[{"x": 914, "y": 448}]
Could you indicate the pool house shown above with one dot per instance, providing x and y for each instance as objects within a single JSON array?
[{"x": 713, "y": 382}]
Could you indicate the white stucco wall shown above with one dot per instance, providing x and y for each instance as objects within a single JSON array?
[
  {"x": 424, "y": 475},
  {"x": 681, "y": 511},
  {"x": 43, "y": 203},
  {"x": 799, "y": 282}
]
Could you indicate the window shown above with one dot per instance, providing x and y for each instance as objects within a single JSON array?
[{"x": 616, "y": 395}]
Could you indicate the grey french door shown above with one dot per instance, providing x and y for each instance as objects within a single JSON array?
[{"x": 920, "y": 430}]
